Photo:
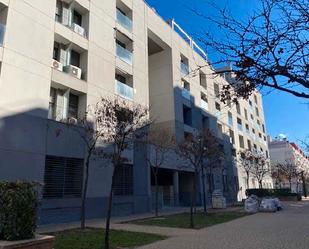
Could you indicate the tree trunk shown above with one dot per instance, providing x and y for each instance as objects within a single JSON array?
[
  {"x": 157, "y": 195},
  {"x": 84, "y": 193},
  {"x": 191, "y": 210},
  {"x": 109, "y": 212},
  {"x": 204, "y": 191},
  {"x": 304, "y": 184},
  {"x": 260, "y": 184}
]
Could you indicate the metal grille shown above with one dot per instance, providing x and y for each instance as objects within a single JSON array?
[
  {"x": 63, "y": 177},
  {"x": 123, "y": 181}
]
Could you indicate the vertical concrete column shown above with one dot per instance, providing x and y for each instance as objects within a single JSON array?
[{"x": 176, "y": 187}]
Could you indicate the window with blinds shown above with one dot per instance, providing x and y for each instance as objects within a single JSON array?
[
  {"x": 63, "y": 177},
  {"x": 123, "y": 181}
]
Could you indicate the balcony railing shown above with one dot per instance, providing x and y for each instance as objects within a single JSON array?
[
  {"x": 2, "y": 32},
  {"x": 184, "y": 68},
  {"x": 186, "y": 94},
  {"x": 124, "y": 90},
  {"x": 124, "y": 54},
  {"x": 204, "y": 104},
  {"x": 124, "y": 21}
]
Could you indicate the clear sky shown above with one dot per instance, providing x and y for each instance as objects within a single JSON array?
[{"x": 284, "y": 113}]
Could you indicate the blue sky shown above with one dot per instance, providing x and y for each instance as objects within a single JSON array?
[{"x": 284, "y": 113}]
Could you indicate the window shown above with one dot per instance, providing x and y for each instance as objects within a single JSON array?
[
  {"x": 56, "y": 51},
  {"x": 230, "y": 119},
  {"x": 187, "y": 115},
  {"x": 58, "y": 16},
  {"x": 257, "y": 111},
  {"x": 73, "y": 106},
  {"x": 249, "y": 144},
  {"x": 75, "y": 58},
  {"x": 218, "y": 107},
  {"x": 203, "y": 80},
  {"x": 233, "y": 152},
  {"x": 216, "y": 90},
  {"x": 241, "y": 142},
  {"x": 232, "y": 136},
  {"x": 123, "y": 184},
  {"x": 77, "y": 18},
  {"x": 263, "y": 128},
  {"x": 63, "y": 177},
  {"x": 250, "y": 103},
  {"x": 121, "y": 44},
  {"x": 255, "y": 147},
  {"x": 246, "y": 113},
  {"x": 52, "y": 104},
  {"x": 252, "y": 118},
  {"x": 255, "y": 99},
  {"x": 186, "y": 85},
  {"x": 239, "y": 124},
  {"x": 238, "y": 108},
  {"x": 247, "y": 128}
]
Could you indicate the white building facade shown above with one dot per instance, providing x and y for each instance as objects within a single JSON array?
[{"x": 59, "y": 56}]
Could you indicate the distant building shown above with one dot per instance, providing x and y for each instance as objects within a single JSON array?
[{"x": 283, "y": 151}]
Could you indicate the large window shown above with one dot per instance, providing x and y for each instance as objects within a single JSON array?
[
  {"x": 73, "y": 106},
  {"x": 187, "y": 115},
  {"x": 123, "y": 184},
  {"x": 63, "y": 177}
]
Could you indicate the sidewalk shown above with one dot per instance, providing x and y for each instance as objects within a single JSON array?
[
  {"x": 120, "y": 223},
  {"x": 116, "y": 222}
]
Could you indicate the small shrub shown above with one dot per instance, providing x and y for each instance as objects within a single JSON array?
[{"x": 18, "y": 208}]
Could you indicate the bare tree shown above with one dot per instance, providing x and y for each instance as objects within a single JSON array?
[
  {"x": 246, "y": 159},
  {"x": 261, "y": 168},
  {"x": 195, "y": 150},
  {"x": 93, "y": 128},
  {"x": 269, "y": 49},
  {"x": 214, "y": 159},
  {"x": 288, "y": 172},
  {"x": 160, "y": 142},
  {"x": 130, "y": 122}
]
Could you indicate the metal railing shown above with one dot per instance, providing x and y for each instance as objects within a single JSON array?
[
  {"x": 124, "y": 54},
  {"x": 124, "y": 90},
  {"x": 124, "y": 21}
]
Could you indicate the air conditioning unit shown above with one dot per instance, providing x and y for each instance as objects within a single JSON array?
[
  {"x": 78, "y": 29},
  {"x": 57, "y": 65},
  {"x": 73, "y": 70}
]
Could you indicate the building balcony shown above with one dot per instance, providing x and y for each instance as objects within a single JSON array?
[
  {"x": 184, "y": 68},
  {"x": 186, "y": 94},
  {"x": 124, "y": 21},
  {"x": 204, "y": 105},
  {"x": 124, "y": 54},
  {"x": 124, "y": 90}
]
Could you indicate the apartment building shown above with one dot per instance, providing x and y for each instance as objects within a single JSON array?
[
  {"x": 59, "y": 56},
  {"x": 290, "y": 154}
]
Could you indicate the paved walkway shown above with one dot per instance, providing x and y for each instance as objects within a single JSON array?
[{"x": 288, "y": 229}]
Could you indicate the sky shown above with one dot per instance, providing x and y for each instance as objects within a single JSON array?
[{"x": 284, "y": 113}]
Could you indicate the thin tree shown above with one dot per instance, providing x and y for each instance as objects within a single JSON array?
[
  {"x": 261, "y": 168},
  {"x": 214, "y": 159},
  {"x": 129, "y": 122},
  {"x": 246, "y": 159},
  {"x": 194, "y": 150},
  {"x": 93, "y": 128},
  {"x": 160, "y": 143},
  {"x": 268, "y": 49}
]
